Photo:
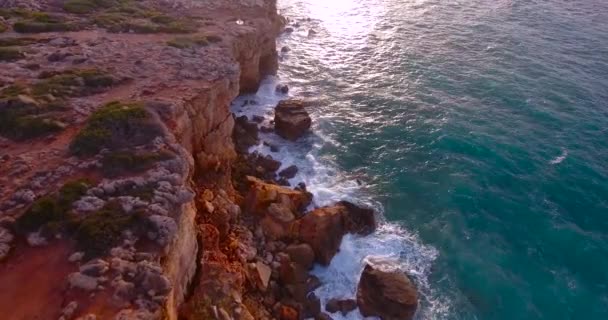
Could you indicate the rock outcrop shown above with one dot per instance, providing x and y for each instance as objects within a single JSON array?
[
  {"x": 386, "y": 292},
  {"x": 323, "y": 228},
  {"x": 291, "y": 121}
]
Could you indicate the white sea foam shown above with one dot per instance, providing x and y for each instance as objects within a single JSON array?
[
  {"x": 560, "y": 158},
  {"x": 328, "y": 185}
]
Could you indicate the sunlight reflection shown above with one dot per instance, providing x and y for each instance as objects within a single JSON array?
[{"x": 347, "y": 18}]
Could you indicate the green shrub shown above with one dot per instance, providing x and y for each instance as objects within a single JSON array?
[
  {"x": 43, "y": 211},
  {"x": 119, "y": 162},
  {"x": 38, "y": 22},
  {"x": 72, "y": 83},
  {"x": 26, "y": 26},
  {"x": 117, "y": 124},
  {"x": 10, "y": 54},
  {"x": 142, "y": 21},
  {"x": 20, "y": 120},
  {"x": 214, "y": 38},
  {"x": 22, "y": 41},
  {"x": 86, "y": 6},
  {"x": 187, "y": 42},
  {"x": 97, "y": 233},
  {"x": 52, "y": 210}
]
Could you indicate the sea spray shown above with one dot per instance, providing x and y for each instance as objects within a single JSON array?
[{"x": 329, "y": 184}]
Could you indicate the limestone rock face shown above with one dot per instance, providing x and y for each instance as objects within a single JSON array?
[
  {"x": 291, "y": 121},
  {"x": 386, "y": 292}
]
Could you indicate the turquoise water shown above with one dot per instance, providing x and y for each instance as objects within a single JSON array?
[{"x": 480, "y": 129}]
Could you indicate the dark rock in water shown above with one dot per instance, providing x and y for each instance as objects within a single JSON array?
[
  {"x": 283, "y": 182},
  {"x": 289, "y": 172},
  {"x": 358, "y": 219},
  {"x": 291, "y": 119},
  {"x": 285, "y": 49},
  {"x": 288, "y": 30},
  {"x": 323, "y": 316},
  {"x": 296, "y": 25},
  {"x": 311, "y": 32},
  {"x": 323, "y": 228},
  {"x": 266, "y": 162},
  {"x": 282, "y": 88},
  {"x": 386, "y": 292},
  {"x": 312, "y": 283},
  {"x": 266, "y": 129},
  {"x": 244, "y": 134},
  {"x": 301, "y": 254},
  {"x": 343, "y": 306},
  {"x": 258, "y": 119},
  {"x": 312, "y": 305},
  {"x": 301, "y": 186}
]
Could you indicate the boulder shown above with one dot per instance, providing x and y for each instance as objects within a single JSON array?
[
  {"x": 262, "y": 276},
  {"x": 301, "y": 254},
  {"x": 288, "y": 313},
  {"x": 386, "y": 292},
  {"x": 261, "y": 195},
  {"x": 358, "y": 220},
  {"x": 282, "y": 88},
  {"x": 291, "y": 120},
  {"x": 323, "y": 228},
  {"x": 312, "y": 305},
  {"x": 81, "y": 281},
  {"x": 323, "y": 316},
  {"x": 289, "y": 172},
  {"x": 343, "y": 306}
]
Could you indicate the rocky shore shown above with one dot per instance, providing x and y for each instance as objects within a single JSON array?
[{"x": 121, "y": 160}]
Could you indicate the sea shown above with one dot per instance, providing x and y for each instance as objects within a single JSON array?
[{"x": 478, "y": 130}]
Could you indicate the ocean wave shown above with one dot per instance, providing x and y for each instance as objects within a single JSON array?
[
  {"x": 328, "y": 185},
  {"x": 560, "y": 158}
]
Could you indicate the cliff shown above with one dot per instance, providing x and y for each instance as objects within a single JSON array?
[{"x": 115, "y": 116}]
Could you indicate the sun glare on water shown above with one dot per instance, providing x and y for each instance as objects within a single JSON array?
[{"x": 344, "y": 17}]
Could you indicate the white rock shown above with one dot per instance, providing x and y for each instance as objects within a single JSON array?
[
  {"x": 34, "y": 239},
  {"x": 88, "y": 204},
  {"x": 76, "y": 256},
  {"x": 81, "y": 281}
]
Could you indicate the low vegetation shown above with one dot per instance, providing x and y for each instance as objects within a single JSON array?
[
  {"x": 10, "y": 54},
  {"x": 121, "y": 162},
  {"x": 29, "y": 111},
  {"x": 24, "y": 118},
  {"x": 98, "y": 232},
  {"x": 87, "y": 6},
  {"x": 72, "y": 83},
  {"x": 192, "y": 42},
  {"x": 20, "y": 41},
  {"x": 53, "y": 210},
  {"x": 37, "y": 22},
  {"x": 115, "y": 125}
]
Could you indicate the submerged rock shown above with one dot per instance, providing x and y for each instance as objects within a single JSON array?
[
  {"x": 386, "y": 292},
  {"x": 291, "y": 121},
  {"x": 343, "y": 306}
]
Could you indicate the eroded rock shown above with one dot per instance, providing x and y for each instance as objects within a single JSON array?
[
  {"x": 291, "y": 120},
  {"x": 385, "y": 291}
]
